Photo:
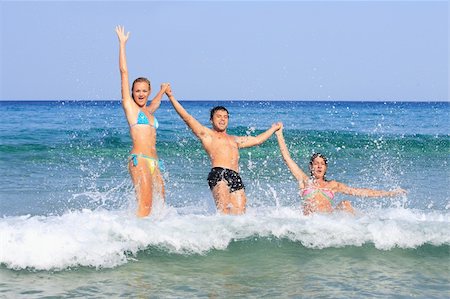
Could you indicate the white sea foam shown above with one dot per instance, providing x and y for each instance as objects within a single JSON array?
[{"x": 106, "y": 239}]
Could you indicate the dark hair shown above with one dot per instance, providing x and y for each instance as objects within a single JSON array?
[
  {"x": 313, "y": 157},
  {"x": 217, "y": 108},
  {"x": 140, "y": 79}
]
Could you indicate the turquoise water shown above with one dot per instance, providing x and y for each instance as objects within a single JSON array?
[
  {"x": 66, "y": 205},
  {"x": 262, "y": 270}
]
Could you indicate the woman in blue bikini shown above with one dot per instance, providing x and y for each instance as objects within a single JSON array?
[
  {"x": 316, "y": 191},
  {"x": 144, "y": 165}
]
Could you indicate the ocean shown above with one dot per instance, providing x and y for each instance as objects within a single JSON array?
[{"x": 68, "y": 230}]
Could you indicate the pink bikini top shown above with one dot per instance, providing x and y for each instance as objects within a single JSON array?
[{"x": 312, "y": 191}]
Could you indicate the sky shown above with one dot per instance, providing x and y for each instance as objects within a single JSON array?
[{"x": 228, "y": 50}]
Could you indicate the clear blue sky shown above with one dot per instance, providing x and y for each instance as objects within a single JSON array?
[{"x": 228, "y": 50}]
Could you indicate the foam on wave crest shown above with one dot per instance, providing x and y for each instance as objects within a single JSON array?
[{"x": 106, "y": 239}]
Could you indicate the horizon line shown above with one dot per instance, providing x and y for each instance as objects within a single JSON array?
[{"x": 243, "y": 100}]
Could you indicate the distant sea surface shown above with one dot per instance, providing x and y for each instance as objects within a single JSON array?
[{"x": 67, "y": 224}]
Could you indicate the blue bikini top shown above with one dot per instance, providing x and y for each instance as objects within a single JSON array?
[{"x": 142, "y": 119}]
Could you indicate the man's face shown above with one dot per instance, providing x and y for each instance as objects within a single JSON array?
[{"x": 220, "y": 120}]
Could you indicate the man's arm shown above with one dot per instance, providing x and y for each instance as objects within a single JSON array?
[
  {"x": 249, "y": 141},
  {"x": 197, "y": 128}
]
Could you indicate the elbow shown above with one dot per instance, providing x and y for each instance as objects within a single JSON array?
[{"x": 261, "y": 139}]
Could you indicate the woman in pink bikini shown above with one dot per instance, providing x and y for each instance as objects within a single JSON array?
[
  {"x": 144, "y": 166},
  {"x": 316, "y": 191}
]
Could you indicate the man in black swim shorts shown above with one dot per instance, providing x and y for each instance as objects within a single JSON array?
[
  {"x": 233, "y": 179},
  {"x": 223, "y": 150}
]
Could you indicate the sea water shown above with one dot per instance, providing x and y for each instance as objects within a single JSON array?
[{"x": 67, "y": 205}]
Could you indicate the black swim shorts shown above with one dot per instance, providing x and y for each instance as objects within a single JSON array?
[{"x": 232, "y": 178}]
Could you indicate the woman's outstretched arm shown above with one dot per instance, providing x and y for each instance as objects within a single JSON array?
[
  {"x": 123, "y": 38},
  {"x": 299, "y": 174},
  {"x": 156, "y": 102},
  {"x": 365, "y": 192}
]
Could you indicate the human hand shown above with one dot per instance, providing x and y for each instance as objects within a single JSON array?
[
  {"x": 278, "y": 128},
  {"x": 168, "y": 90},
  {"x": 399, "y": 191},
  {"x": 164, "y": 87},
  {"x": 120, "y": 30},
  {"x": 279, "y": 125}
]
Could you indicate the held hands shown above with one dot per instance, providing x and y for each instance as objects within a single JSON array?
[
  {"x": 278, "y": 128},
  {"x": 164, "y": 87},
  {"x": 120, "y": 30},
  {"x": 168, "y": 90}
]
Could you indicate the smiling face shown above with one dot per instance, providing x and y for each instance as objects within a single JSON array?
[
  {"x": 141, "y": 91},
  {"x": 318, "y": 166},
  {"x": 219, "y": 120}
]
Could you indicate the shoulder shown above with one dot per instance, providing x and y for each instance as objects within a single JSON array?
[
  {"x": 307, "y": 182},
  {"x": 333, "y": 184},
  {"x": 233, "y": 138},
  {"x": 240, "y": 139},
  {"x": 204, "y": 133},
  {"x": 338, "y": 186},
  {"x": 128, "y": 104},
  {"x": 130, "y": 108}
]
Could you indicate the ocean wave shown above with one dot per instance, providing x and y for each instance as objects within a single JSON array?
[{"x": 107, "y": 239}]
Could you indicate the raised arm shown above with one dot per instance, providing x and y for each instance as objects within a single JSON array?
[
  {"x": 156, "y": 102},
  {"x": 199, "y": 130},
  {"x": 249, "y": 141},
  {"x": 293, "y": 167},
  {"x": 123, "y": 38},
  {"x": 364, "y": 192}
]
